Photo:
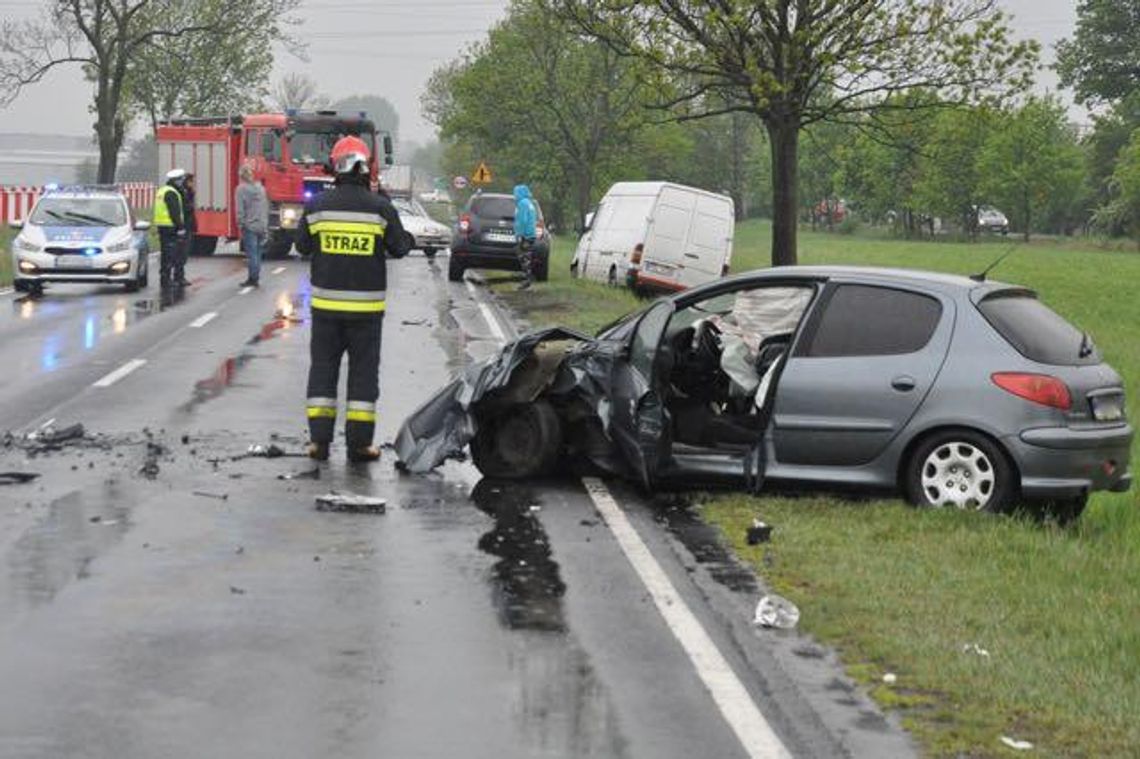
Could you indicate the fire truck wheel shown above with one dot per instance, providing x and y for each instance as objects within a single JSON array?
[
  {"x": 280, "y": 243},
  {"x": 204, "y": 246}
]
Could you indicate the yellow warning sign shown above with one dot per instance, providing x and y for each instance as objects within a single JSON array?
[{"x": 482, "y": 174}]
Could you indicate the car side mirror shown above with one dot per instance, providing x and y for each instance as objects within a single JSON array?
[
  {"x": 16, "y": 224},
  {"x": 142, "y": 226}
]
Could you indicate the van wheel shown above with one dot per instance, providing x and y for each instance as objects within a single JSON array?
[
  {"x": 574, "y": 270},
  {"x": 960, "y": 469},
  {"x": 523, "y": 441},
  {"x": 611, "y": 280}
]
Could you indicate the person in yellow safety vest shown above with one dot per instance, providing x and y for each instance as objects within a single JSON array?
[
  {"x": 170, "y": 220},
  {"x": 347, "y": 230}
]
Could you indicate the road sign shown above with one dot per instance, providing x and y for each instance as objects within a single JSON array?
[
  {"x": 459, "y": 183},
  {"x": 482, "y": 174}
]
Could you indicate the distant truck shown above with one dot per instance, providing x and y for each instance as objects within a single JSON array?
[
  {"x": 657, "y": 236},
  {"x": 397, "y": 180},
  {"x": 289, "y": 153}
]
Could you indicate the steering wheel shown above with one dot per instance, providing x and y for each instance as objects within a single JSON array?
[{"x": 707, "y": 345}]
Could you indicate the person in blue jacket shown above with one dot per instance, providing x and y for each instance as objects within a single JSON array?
[{"x": 526, "y": 230}]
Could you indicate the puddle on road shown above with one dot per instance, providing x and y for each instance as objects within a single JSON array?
[
  {"x": 704, "y": 542},
  {"x": 526, "y": 584},
  {"x": 59, "y": 549}
]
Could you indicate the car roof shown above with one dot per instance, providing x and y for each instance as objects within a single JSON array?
[{"x": 874, "y": 274}]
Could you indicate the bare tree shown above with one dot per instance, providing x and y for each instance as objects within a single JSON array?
[
  {"x": 793, "y": 63},
  {"x": 297, "y": 91},
  {"x": 107, "y": 37}
]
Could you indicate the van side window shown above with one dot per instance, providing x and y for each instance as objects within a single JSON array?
[{"x": 862, "y": 320}]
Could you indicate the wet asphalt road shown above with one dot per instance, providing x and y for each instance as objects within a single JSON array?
[{"x": 160, "y": 596}]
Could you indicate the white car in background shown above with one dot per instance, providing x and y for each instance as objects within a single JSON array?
[
  {"x": 81, "y": 234},
  {"x": 435, "y": 196},
  {"x": 431, "y": 236}
]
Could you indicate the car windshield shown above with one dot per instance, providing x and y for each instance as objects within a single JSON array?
[
  {"x": 1038, "y": 332},
  {"x": 79, "y": 212},
  {"x": 314, "y": 147},
  {"x": 408, "y": 207}
]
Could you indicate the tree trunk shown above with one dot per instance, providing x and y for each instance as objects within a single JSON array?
[
  {"x": 784, "y": 136},
  {"x": 585, "y": 185}
]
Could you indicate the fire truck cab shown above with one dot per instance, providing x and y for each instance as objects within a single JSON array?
[{"x": 289, "y": 153}]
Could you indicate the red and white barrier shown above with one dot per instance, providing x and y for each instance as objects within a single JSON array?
[{"x": 17, "y": 202}]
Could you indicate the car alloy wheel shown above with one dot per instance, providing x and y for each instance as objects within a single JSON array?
[{"x": 960, "y": 475}]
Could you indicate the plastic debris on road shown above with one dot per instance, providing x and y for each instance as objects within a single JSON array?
[
  {"x": 776, "y": 612},
  {"x": 17, "y": 478},
  {"x": 351, "y": 503},
  {"x": 1015, "y": 744},
  {"x": 759, "y": 533},
  {"x": 890, "y": 678}
]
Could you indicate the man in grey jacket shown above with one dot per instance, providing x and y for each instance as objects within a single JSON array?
[{"x": 253, "y": 222}]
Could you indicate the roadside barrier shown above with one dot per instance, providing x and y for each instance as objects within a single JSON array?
[{"x": 16, "y": 202}]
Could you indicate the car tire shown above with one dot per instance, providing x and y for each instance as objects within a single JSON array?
[
  {"x": 522, "y": 442},
  {"x": 21, "y": 286},
  {"x": 203, "y": 246},
  {"x": 962, "y": 469},
  {"x": 455, "y": 269}
]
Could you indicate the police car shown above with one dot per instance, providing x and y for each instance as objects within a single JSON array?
[{"x": 80, "y": 234}]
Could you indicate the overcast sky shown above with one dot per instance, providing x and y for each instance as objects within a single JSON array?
[{"x": 389, "y": 48}]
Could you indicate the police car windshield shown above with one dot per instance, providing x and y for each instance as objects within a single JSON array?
[{"x": 79, "y": 212}]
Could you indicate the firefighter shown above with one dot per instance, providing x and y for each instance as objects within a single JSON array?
[
  {"x": 346, "y": 231},
  {"x": 170, "y": 220}
]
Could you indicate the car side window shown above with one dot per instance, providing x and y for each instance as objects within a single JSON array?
[
  {"x": 643, "y": 349},
  {"x": 862, "y": 320}
]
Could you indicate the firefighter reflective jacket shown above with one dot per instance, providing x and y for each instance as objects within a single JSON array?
[
  {"x": 168, "y": 207},
  {"x": 346, "y": 231}
]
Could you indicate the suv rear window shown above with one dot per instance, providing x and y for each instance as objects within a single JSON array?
[
  {"x": 493, "y": 208},
  {"x": 861, "y": 320},
  {"x": 1038, "y": 332}
]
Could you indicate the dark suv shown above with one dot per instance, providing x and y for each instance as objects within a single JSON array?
[{"x": 484, "y": 238}]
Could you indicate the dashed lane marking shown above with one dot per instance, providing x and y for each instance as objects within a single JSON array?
[
  {"x": 731, "y": 697},
  {"x": 203, "y": 320},
  {"x": 278, "y": 270},
  {"x": 488, "y": 314},
  {"x": 121, "y": 372}
]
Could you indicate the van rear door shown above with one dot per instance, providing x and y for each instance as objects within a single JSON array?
[
  {"x": 663, "y": 264},
  {"x": 710, "y": 240}
]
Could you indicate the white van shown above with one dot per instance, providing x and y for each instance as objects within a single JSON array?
[{"x": 657, "y": 236}]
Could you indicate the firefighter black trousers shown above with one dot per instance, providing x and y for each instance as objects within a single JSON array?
[{"x": 332, "y": 337}]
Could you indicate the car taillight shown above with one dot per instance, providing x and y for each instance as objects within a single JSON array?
[
  {"x": 465, "y": 223},
  {"x": 638, "y": 252},
  {"x": 1037, "y": 388},
  {"x": 539, "y": 229}
]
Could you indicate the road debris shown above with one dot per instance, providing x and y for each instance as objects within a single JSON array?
[
  {"x": 890, "y": 678},
  {"x": 416, "y": 323},
  {"x": 974, "y": 648},
  {"x": 1016, "y": 744},
  {"x": 351, "y": 503},
  {"x": 312, "y": 474},
  {"x": 759, "y": 533},
  {"x": 776, "y": 612},
  {"x": 235, "y": 590},
  {"x": 270, "y": 451},
  {"x": 215, "y": 496},
  {"x": 17, "y": 478}
]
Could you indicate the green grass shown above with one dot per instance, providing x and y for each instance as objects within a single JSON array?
[
  {"x": 898, "y": 590},
  {"x": 6, "y": 236}
]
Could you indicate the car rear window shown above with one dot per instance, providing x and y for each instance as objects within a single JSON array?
[
  {"x": 493, "y": 208},
  {"x": 861, "y": 320},
  {"x": 1037, "y": 331}
]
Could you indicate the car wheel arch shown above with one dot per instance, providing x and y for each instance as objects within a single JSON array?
[{"x": 921, "y": 437}]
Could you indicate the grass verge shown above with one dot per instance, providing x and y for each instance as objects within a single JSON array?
[{"x": 904, "y": 591}]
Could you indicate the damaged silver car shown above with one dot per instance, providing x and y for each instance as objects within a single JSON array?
[{"x": 953, "y": 391}]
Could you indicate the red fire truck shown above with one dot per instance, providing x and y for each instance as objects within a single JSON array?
[{"x": 289, "y": 153}]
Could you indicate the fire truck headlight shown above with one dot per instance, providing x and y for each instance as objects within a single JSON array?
[{"x": 290, "y": 215}]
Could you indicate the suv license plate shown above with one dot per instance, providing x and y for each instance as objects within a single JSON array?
[
  {"x": 499, "y": 237},
  {"x": 1107, "y": 408}
]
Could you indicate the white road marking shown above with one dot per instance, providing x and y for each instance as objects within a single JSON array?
[
  {"x": 203, "y": 320},
  {"x": 729, "y": 694},
  {"x": 488, "y": 314},
  {"x": 278, "y": 270},
  {"x": 245, "y": 291},
  {"x": 121, "y": 372}
]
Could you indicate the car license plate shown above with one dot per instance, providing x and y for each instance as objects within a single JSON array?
[
  {"x": 1107, "y": 408},
  {"x": 74, "y": 262},
  {"x": 499, "y": 237}
]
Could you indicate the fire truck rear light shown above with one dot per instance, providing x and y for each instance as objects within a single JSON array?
[
  {"x": 1036, "y": 388},
  {"x": 638, "y": 252}
]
